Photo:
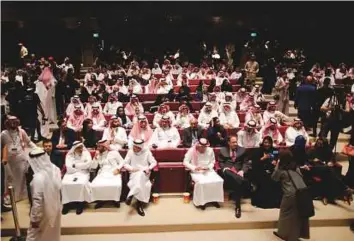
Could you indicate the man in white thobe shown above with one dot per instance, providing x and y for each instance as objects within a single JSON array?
[
  {"x": 76, "y": 187},
  {"x": 228, "y": 117},
  {"x": 294, "y": 131},
  {"x": 139, "y": 161},
  {"x": 16, "y": 140},
  {"x": 115, "y": 134},
  {"x": 249, "y": 137},
  {"x": 112, "y": 105},
  {"x": 165, "y": 136},
  {"x": 107, "y": 185},
  {"x": 45, "y": 215},
  {"x": 208, "y": 188},
  {"x": 206, "y": 115}
]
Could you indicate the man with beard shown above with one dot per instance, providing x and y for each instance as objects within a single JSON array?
[
  {"x": 165, "y": 136},
  {"x": 206, "y": 114},
  {"x": 115, "y": 134},
  {"x": 249, "y": 137}
]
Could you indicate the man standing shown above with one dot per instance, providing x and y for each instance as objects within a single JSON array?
[
  {"x": 45, "y": 213},
  {"x": 305, "y": 101},
  {"x": 139, "y": 161},
  {"x": 192, "y": 134},
  {"x": 208, "y": 186},
  {"x": 16, "y": 141},
  {"x": 234, "y": 167},
  {"x": 23, "y": 54}
]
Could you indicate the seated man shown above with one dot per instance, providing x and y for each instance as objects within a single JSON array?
[
  {"x": 98, "y": 119},
  {"x": 165, "y": 136},
  {"x": 75, "y": 184},
  {"x": 208, "y": 186},
  {"x": 64, "y": 137},
  {"x": 112, "y": 105},
  {"x": 272, "y": 111},
  {"x": 254, "y": 113},
  {"x": 163, "y": 110},
  {"x": 107, "y": 185},
  {"x": 294, "y": 131},
  {"x": 192, "y": 134},
  {"x": 249, "y": 137},
  {"x": 115, "y": 134},
  {"x": 206, "y": 114},
  {"x": 234, "y": 167},
  {"x": 76, "y": 119},
  {"x": 271, "y": 129},
  {"x": 228, "y": 117},
  {"x": 141, "y": 130},
  {"x": 139, "y": 161}
]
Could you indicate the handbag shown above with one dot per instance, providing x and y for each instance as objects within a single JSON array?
[
  {"x": 348, "y": 150},
  {"x": 304, "y": 201}
]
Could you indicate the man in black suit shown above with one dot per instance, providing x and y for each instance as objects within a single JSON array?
[
  {"x": 192, "y": 134},
  {"x": 234, "y": 166},
  {"x": 63, "y": 138}
]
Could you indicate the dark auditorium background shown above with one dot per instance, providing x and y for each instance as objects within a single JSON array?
[{"x": 59, "y": 29}]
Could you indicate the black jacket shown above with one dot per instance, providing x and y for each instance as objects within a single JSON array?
[
  {"x": 242, "y": 161},
  {"x": 187, "y": 135},
  {"x": 69, "y": 135}
]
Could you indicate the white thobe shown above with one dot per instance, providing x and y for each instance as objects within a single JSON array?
[
  {"x": 247, "y": 140},
  {"x": 219, "y": 80},
  {"x": 166, "y": 138},
  {"x": 340, "y": 75},
  {"x": 98, "y": 123},
  {"x": 291, "y": 133},
  {"x": 158, "y": 117},
  {"x": 106, "y": 186},
  {"x": 79, "y": 190},
  {"x": 256, "y": 117},
  {"x": 183, "y": 121},
  {"x": 17, "y": 160},
  {"x": 275, "y": 114},
  {"x": 163, "y": 90},
  {"x": 270, "y": 133},
  {"x": 156, "y": 71},
  {"x": 47, "y": 97},
  {"x": 111, "y": 108},
  {"x": 45, "y": 231},
  {"x": 205, "y": 118},
  {"x": 236, "y": 75},
  {"x": 208, "y": 185},
  {"x": 137, "y": 89},
  {"x": 123, "y": 90},
  {"x": 117, "y": 137},
  {"x": 230, "y": 118},
  {"x": 139, "y": 183}
]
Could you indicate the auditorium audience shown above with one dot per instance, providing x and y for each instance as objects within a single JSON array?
[{"x": 165, "y": 136}]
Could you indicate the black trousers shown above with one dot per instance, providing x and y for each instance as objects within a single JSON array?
[
  {"x": 236, "y": 184},
  {"x": 306, "y": 117},
  {"x": 331, "y": 126},
  {"x": 349, "y": 176}
]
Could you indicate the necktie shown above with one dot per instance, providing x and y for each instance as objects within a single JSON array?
[{"x": 233, "y": 155}]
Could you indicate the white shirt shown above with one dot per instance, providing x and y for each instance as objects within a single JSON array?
[
  {"x": 111, "y": 108},
  {"x": 205, "y": 118},
  {"x": 230, "y": 118},
  {"x": 166, "y": 138},
  {"x": 247, "y": 140},
  {"x": 291, "y": 133}
]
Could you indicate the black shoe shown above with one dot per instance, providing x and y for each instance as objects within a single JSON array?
[
  {"x": 79, "y": 209},
  {"x": 237, "y": 212},
  {"x": 129, "y": 200},
  {"x": 216, "y": 204},
  {"x": 140, "y": 210},
  {"x": 117, "y": 204},
  {"x": 65, "y": 209},
  {"x": 276, "y": 234},
  {"x": 99, "y": 205},
  {"x": 5, "y": 209},
  {"x": 203, "y": 207}
]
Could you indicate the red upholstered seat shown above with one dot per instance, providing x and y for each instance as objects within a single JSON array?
[
  {"x": 169, "y": 155},
  {"x": 282, "y": 130}
]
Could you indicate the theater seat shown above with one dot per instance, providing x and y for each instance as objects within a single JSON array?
[{"x": 169, "y": 155}]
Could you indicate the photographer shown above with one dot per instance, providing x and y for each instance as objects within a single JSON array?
[{"x": 332, "y": 118}]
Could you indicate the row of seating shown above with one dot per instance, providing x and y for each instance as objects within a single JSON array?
[
  {"x": 195, "y": 81},
  {"x": 195, "y": 105},
  {"x": 282, "y": 130},
  {"x": 193, "y": 88},
  {"x": 150, "y": 116}
]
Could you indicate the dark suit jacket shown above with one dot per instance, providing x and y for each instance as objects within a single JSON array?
[
  {"x": 305, "y": 97},
  {"x": 187, "y": 135},
  {"x": 57, "y": 158},
  {"x": 70, "y": 137},
  {"x": 241, "y": 163}
]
